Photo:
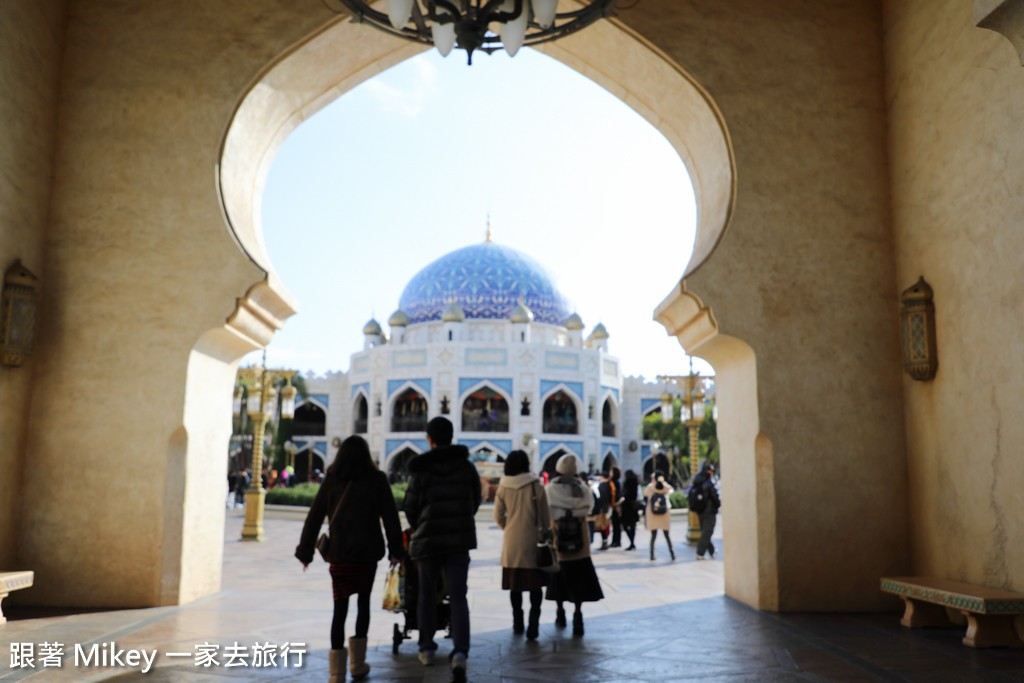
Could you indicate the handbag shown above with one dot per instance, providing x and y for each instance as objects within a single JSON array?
[
  {"x": 323, "y": 544},
  {"x": 546, "y": 558},
  {"x": 394, "y": 589},
  {"x": 602, "y": 523}
]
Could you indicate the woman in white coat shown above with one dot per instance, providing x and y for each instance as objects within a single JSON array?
[
  {"x": 520, "y": 509},
  {"x": 658, "y": 519},
  {"x": 576, "y": 581}
]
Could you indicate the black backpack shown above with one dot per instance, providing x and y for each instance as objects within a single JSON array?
[
  {"x": 569, "y": 538},
  {"x": 659, "y": 503},
  {"x": 697, "y": 499}
]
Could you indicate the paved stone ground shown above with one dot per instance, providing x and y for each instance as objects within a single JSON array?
[{"x": 660, "y": 621}]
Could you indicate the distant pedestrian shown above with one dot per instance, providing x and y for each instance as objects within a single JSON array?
[
  {"x": 657, "y": 513},
  {"x": 355, "y": 498},
  {"x": 576, "y": 581},
  {"x": 704, "y": 500},
  {"x": 629, "y": 513},
  {"x": 520, "y": 509},
  {"x": 440, "y": 505}
]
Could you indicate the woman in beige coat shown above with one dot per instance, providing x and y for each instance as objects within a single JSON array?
[
  {"x": 520, "y": 509},
  {"x": 656, "y": 520}
]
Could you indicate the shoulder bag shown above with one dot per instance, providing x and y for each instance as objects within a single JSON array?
[
  {"x": 323, "y": 544},
  {"x": 547, "y": 558}
]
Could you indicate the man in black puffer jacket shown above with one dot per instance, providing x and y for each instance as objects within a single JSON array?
[{"x": 440, "y": 504}]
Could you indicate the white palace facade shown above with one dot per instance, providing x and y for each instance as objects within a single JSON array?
[{"x": 482, "y": 337}]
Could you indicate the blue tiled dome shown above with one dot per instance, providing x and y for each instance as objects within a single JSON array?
[{"x": 486, "y": 280}]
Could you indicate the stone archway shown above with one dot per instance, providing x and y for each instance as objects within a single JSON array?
[{"x": 342, "y": 55}]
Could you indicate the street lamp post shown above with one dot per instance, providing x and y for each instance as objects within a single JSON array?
[
  {"x": 260, "y": 404},
  {"x": 693, "y": 416}
]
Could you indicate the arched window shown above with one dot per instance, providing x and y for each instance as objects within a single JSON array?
[
  {"x": 656, "y": 461},
  {"x": 609, "y": 462},
  {"x": 305, "y": 462},
  {"x": 485, "y": 410},
  {"x": 409, "y": 413},
  {"x": 648, "y": 430},
  {"x": 398, "y": 465},
  {"x": 361, "y": 415},
  {"x": 607, "y": 418},
  {"x": 310, "y": 420},
  {"x": 560, "y": 414},
  {"x": 551, "y": 461}
]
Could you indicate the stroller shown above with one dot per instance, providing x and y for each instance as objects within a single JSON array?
[{"x": 410, "y": 597}]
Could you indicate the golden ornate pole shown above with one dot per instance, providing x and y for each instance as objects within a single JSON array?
[{"x": 260, "y": 389}]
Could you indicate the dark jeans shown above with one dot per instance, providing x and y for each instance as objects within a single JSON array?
[
  {"x": 455, "y": 568},
  {"x": 707, "y": 527}
]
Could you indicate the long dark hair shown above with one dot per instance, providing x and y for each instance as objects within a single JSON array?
[{"x": 353, "y": 460}]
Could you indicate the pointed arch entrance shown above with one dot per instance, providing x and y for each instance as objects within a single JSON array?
[{"x": 343, "y": 54}]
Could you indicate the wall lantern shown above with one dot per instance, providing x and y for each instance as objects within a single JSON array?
[
  {"x": 18, "y": 315},
  {"x": 917, "y": 323}
]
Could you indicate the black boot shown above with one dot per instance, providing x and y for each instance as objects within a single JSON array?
[
  {"x": 577, "y": 624},
  {"x": 671, "y": 550},
  {"x": 517, "y": 621},
  {"x": 533, "y": 630},
  {"x": 560, "y": 617}
]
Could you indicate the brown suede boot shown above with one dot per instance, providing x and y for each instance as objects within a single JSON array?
[
  {"x": 337, "y": 659},
  {"x": 357, "y": 665}
]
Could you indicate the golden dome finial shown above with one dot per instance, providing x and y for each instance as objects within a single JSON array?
[{"x": 488, "y": 237}]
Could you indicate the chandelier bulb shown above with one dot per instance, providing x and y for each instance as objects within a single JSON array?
[
  {"x": 513, "y": 32},
  {"x": 399, "y": 12},
  {"x": 444, "y": 36},
  {"x": 544, "y": 12}
]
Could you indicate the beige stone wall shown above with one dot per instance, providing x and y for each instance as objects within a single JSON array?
[
  {"x": 31, "y": 34},
  {"x": 139, "y": 266},
  {"x": 956, "y": 101},
  {"x": 804, "y": 275}
]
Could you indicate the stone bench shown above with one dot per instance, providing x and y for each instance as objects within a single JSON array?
[
  {"x": 12, "y": 581},
  {"x": 989, "y": 613}
]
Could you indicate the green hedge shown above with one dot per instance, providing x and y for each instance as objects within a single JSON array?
[
  {"x": 303, "y": 494},
  {"x": 677, "y": 499}
]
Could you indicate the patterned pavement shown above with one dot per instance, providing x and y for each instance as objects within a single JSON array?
[{"x": 660, "y": 621}]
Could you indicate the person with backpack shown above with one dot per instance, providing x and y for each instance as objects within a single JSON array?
[
  {"x": 703, "y": 499},
  {"x": 657, "y": 515},
  {"x": 570, "y": 501},
  {"x": 630, "y": 514}
]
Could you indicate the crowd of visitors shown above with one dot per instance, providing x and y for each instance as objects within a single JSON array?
[{"x": 564, "y": 510}]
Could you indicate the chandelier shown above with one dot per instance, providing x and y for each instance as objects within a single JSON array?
[{"x": 486, "y": 25}]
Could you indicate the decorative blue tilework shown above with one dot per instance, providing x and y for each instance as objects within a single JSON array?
[
  {"x": 613, "y": 390},
  {"x": 610, "y": 446},
  {"x": 503, "y": 445},
  {"x": 467, "y": 383},
  {"x": 391, "y": 446},
  {"x": 396, "y": 384},
  {"x": 320, "y": 399},
  {"x": 318, "y": 446},
  {"x": 645, "y": 452},
  {"x": 647, "y": 403},
  {"x": 365, "y": 386},
  {"x": 547, "y": 447},
  {"x": 486, "y": 280},
  {"x": 547, "y": 385}
]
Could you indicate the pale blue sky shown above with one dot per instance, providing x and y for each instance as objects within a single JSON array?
[{"x": 406, "y": 167}]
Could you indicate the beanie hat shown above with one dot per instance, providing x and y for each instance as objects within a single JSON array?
[{"x": 567, "y": 464}]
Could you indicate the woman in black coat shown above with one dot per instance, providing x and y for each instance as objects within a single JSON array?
[
  {"x": 630, "y": 513},
  {"x": 355, "y": 497}
]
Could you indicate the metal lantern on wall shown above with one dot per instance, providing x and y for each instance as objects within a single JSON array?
[
  {"x": 18, "y": 315},
  {"x": 917, "y": 323},
  {"x": 666, "y": 408},
  {"x": 288, "y": 401}
]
